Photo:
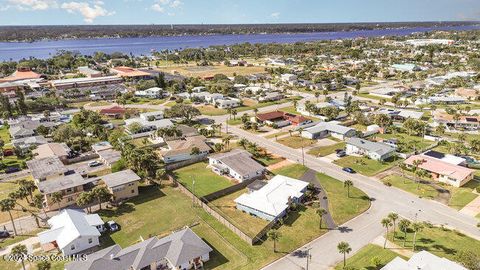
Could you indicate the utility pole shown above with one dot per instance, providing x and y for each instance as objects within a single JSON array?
[
  {"x": 193, "y": 192},
  {"x": 226, "y": 126},
  {"x": 309, "y": 257}
]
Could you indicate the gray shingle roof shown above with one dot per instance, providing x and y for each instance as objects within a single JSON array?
[
  {"x": 376, "y": 147},
  {"x": 239, "y": 161},
  {"x": 62, "y": 183},
  {"x": 41, "y": 168},
  {"x": 120, "y": 178},
  {"x": 179, "y": 248}
]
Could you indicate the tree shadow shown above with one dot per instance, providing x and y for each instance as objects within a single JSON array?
[{"x": 344, "y": 229}]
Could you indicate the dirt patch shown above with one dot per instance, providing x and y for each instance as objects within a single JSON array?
[{"x": 279, "y": 165}]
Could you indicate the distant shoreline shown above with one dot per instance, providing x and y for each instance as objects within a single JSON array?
[{"x": 28, "y": 34}]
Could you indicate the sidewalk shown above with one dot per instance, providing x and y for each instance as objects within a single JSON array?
[
  {"x": 29, "y": 243},
  {"x": 473, "y": 208}
]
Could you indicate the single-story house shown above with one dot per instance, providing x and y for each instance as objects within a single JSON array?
[
  {"x": 225, "y": 103},
  {"x": 181, "y": 149},
  {"x": 60, "y": 150},
  {"x": 325, "y": 129},
  {"x": 271, "y": 201},
  {"x": 123, "y": 184},
  {"x": 237, "y": 163},
  {"x": 374, "y": 150},
  {"x": 147, "y": 126},
  {"x": 25, "y": 143},
  {"x": 113, "y": 112},
  {"x": 152, "y": 116},
  {"x": 72, "y": 231},
  {"x": 423, "y": 260},
  {"x": 469, "y": 122},
  {"x": 179, "y": 250},
  {"x": 442, "y": 171},
  {"x": 455, "y": 160},
  {"x": 154, "y": 92},
  {"x": 281, "y": 119}
]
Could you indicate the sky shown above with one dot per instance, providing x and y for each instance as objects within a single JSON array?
[{"x": 74, "y": 12}]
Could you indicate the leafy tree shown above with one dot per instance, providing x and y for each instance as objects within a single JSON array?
[
  {"x": 44, "y": 265},
  {"x": 344, "y": 248},
  {"x": 187, "y": 112},
  {"x": 469, "y": 259}
]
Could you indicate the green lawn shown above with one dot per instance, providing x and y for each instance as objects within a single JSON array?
[
  {"x": 206, "y": 181},
  {"x": 424, "y": 191},
  {"x": 296, "y": 141},
  {"x": 407, "y": 143},
  {"x": 342, "y": 207},
  {"x": 463, "y": 195},
  {"x": 211, "y": 110},
  {"x": 365, "y": 165},
  {"x": 322, "y": 151},
  {"x": 363, "y": 258},
  {"x": 278, "y": 134},
  {"x": 5, "y": 189},
  {"x": 441, "y": 242},
  {"x": 269, "y": 160},
  {"x": 161, "y": 211},
  {"x": 5, "y": 135},
  {"x": 226, "y": 206},
  {"x": 294, "y": 171}
]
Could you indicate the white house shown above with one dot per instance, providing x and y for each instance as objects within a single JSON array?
[
  {"x": 72, "y": 231},
  {"x": 374, "y": 150},
  {"x": 147, "y": 125},
  {"x": 423, "y": 260},
  {"x": 154, "y": 92},
  {"x": 213, "y": 97},
  {"x": 237, "y": 164},
  {"x": 325, "y": 129},
  {"x": 271, "y": 201},
  {"x": 151, "y": 116},
  {"x": 288, "y": 78},
  {"x": 228, "y": 103}
]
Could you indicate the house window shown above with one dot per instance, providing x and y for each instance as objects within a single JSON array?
[
  {"x": 72, "y": 247},
  {"x": 133, "y": 191},
  {"x": 90, "y": 240}
]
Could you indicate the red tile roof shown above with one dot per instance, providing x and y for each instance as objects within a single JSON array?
[
  {"x": 21, "y": 74},
  {"x": 270, "y": 115},
  {"x": 113, "y": 110}
]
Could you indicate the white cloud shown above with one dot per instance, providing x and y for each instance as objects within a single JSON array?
[
  {"x": 275, "y": 15},
  {"x": 162, "y": 5},
  {"x": 31, "y": 4},
  {"x": 89, "y": 11}
]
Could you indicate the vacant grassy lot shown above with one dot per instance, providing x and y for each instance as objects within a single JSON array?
[
  {"x": 278, "y": 134},
  {"x": 206, "y": 181},
  {"x": 441, "y": 242},
  {"x": 407, "y": 143},
  {"x": 365, "y": 165},
  {"x": 422, "y": 190},
  {"x": 342, "y": 207},
  {"x": 159, "y": 212},
  {"x": 294, "y": 171},
  {"x": 5, "y": 189},
  {"x": 296, "y": 141},
  {"x": 463, "y": 195},
  {"x": 198, "y": 71},
  {"x": 226, "y": 206},
  {"x": 363, "y": 258},
  {"x": 326, "y": 150}
]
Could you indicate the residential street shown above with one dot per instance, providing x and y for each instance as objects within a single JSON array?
[{"x": 362, "y": 230}]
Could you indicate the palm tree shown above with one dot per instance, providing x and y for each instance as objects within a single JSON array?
[
  {"x": 274, "y": 235},
  {"x": 44, "y": 265},
  {"x": 243, "y": 143},
  {"x": 57, "y": 198},
  {"x": 226, "y": 141},
  {"x": 417, "y": 227},
  {"x": 344, "y": 248},
  {"x": 321, "y": 212},
  {"x": 7, "y": 205},
  {"x": 404, "y": 225},
  {"x": 386, "y": 222},
  {"x": 101, "y": 194},
  {"x": 234, "y": 113},
  {"x": 347, "y": 184},
  {"x": 393, "y": 217},
  {"x": 20, "y": 251}
]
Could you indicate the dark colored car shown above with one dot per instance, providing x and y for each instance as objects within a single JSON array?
[
  {"x": 12, "y": 169},
  {"x": 348, "y": 169},
  {"x": 4, "y": 234}
]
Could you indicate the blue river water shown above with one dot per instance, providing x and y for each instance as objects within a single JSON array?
[{"x": 145, "y": 45}]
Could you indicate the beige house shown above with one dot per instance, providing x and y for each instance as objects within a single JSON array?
[
  {"x": 123, "y": 185},
  {"x": 60, "y": 150}
]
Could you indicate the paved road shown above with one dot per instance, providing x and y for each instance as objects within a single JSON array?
[{"x": 363, "y": 229}]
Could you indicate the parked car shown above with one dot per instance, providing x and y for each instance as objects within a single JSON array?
[
  {"x": 348, "y": 169},
  {"x": 112, "y": 226},
  {"x": 4, "y": 234},
  {"x": 12, "y": 169},
  {"x": 341, "y": 153},
  {"x": 94, "y": 163}
]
